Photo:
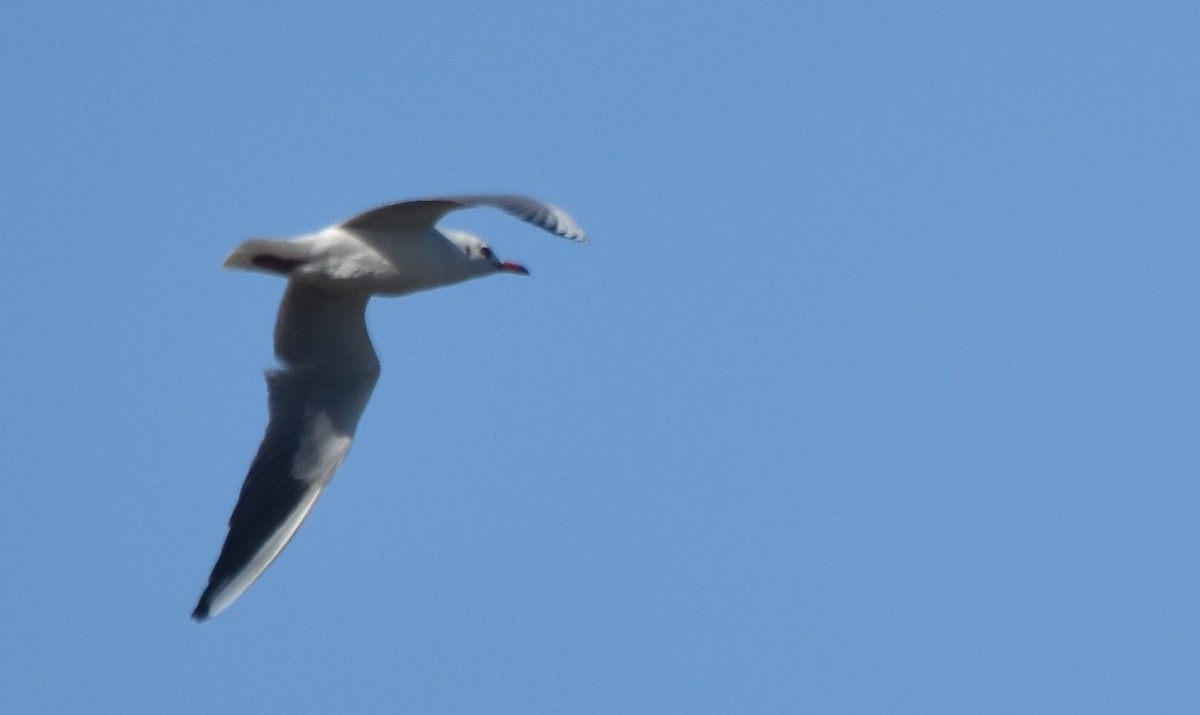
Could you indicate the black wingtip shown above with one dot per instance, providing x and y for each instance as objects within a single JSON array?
[{"x": 200, "y": 614}]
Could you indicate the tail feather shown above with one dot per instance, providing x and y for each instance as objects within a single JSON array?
[{"x": 270, "y": 255}]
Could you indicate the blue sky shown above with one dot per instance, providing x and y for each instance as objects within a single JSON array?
[{"x": 876, "y": 390}]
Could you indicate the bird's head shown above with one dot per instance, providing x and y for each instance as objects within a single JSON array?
[{"x": 481, "y": 257}]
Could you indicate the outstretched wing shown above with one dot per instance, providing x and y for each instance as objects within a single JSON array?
[
  {"x": 423, "y": 214},
  {"x": 315, "y": 402}
]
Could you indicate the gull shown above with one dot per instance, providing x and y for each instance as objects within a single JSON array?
[{"x": 329, "y": 367}]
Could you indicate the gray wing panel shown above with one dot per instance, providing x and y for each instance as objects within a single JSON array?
[
  {"x": 423, "y": 214},
  {"x": 315, "y": 403}
]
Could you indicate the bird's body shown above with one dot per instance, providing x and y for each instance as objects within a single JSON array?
[{"x": 329, "y": 365}]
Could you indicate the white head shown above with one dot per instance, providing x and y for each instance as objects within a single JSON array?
[{"x": 482, "y": 260}]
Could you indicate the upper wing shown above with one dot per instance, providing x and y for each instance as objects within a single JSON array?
[
  {"x": 424, "y": 213},
  {"x": 329, "y": 372}
]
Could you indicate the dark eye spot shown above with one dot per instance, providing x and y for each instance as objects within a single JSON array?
[{"x": 485, "y": 252}]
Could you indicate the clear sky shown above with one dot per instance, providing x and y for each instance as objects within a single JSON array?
[{"x": 876, "y": 390}]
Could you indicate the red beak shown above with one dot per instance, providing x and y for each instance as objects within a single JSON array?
[{"x": 515, "y": 268}]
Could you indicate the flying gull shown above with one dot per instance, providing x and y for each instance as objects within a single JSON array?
[{"x": 329, "y": 367}]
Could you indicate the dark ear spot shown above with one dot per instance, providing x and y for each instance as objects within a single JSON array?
[{"x": 275, "y": 264}]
